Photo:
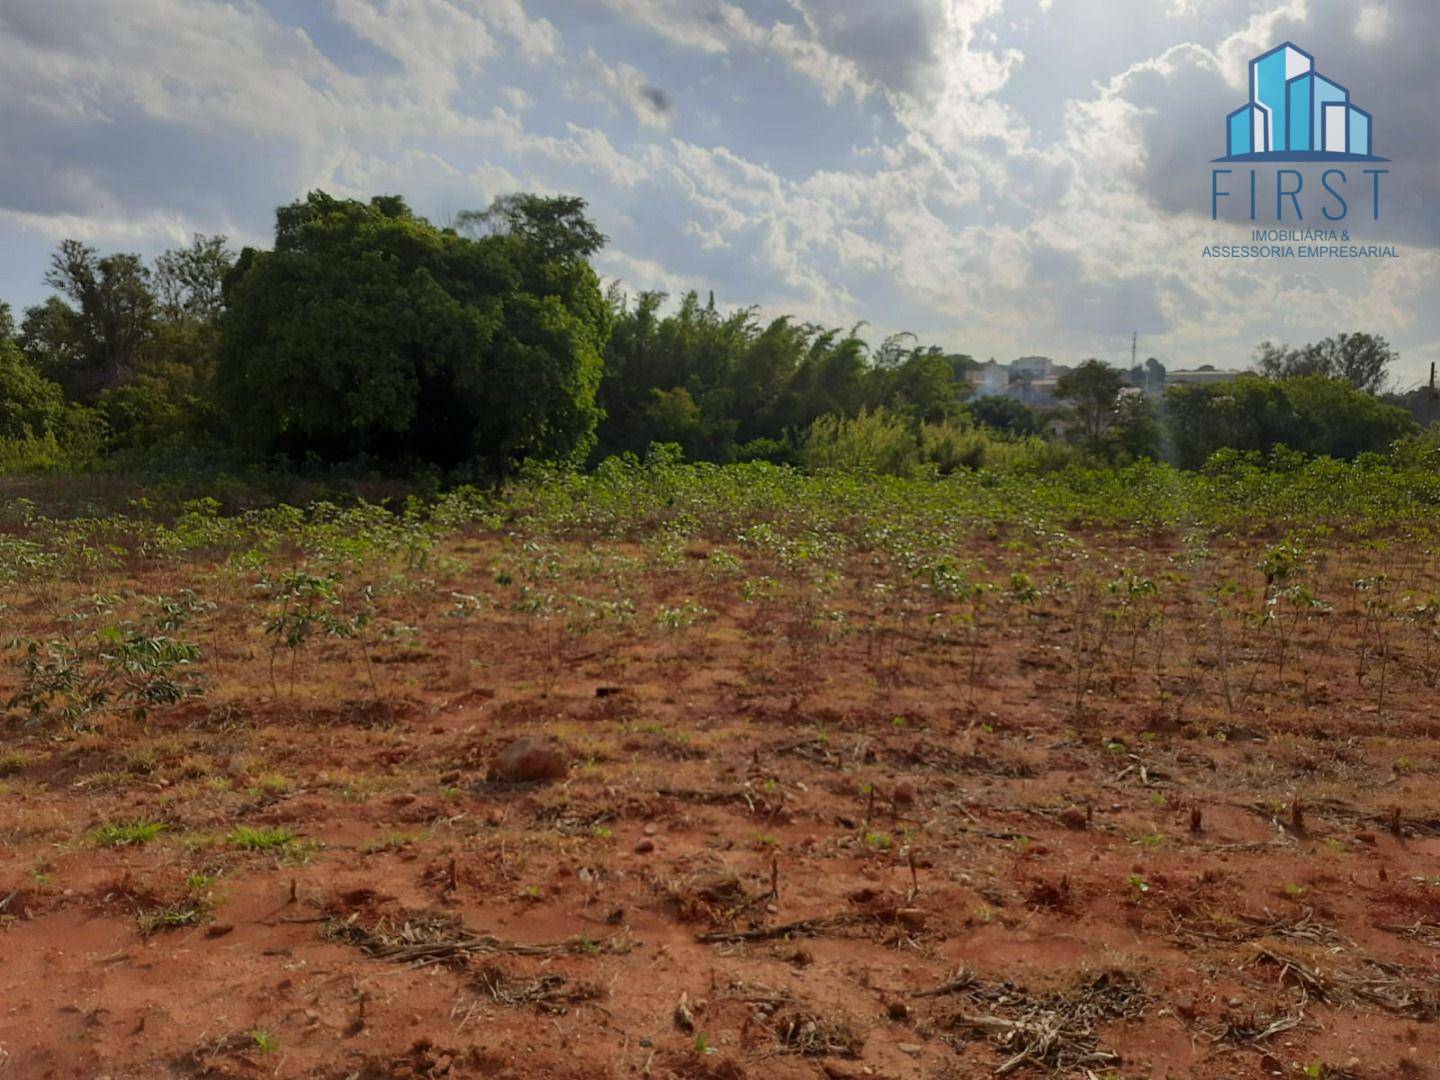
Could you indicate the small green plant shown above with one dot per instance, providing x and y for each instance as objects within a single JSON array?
[
  {"x": 1139, "y": 887},
  {"x": 117, "y": 834},
  {"x": 879, "y": 841},
  {"x": 272, "y": 784},
  {"x": 264, "y": 1042},
  {"x": 247, "y": 838},
  {"x": 702, "y": 1045},
  {"x": 171, "y": 917}
]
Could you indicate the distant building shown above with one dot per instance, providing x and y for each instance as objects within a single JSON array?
[
  {"x": 1037, "y": 392},
  {"x": 1033, "y": 367}
]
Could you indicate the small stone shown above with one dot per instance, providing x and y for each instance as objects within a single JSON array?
[
  {"x": 913, "y": 1049},
  {"x": 495, "y": 818},
  {"x": 1367, "y": 838},
  {"x": 898, "y": 1010},
  {"x": 650, "y": 829},
  {"x": 644, "y": 847},
  {"x": 904, "y": 793},
  {"x": 529, "y": 760},
  {"x": 450, "y": 778},
  {"x": 219, "y": 929}
]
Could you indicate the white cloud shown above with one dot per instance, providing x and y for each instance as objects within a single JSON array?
[
  {"x": 1372, "y": 24},
  {"x": 621, "y": 85},
  {"x": 904, "y": 176}
]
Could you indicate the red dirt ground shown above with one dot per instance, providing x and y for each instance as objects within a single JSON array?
[{"x": 969, "y": 867}]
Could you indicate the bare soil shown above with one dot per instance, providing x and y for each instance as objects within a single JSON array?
[{"x": 796, "y": 837}]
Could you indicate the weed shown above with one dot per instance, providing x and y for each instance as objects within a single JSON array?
[
  {"x": 264, "y": 1042},
  {"x": 247, "y": 838},
  {"x": 134, "y": 833}
]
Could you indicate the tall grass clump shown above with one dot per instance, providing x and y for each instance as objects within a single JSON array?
[{"x": 889, "y": 444}]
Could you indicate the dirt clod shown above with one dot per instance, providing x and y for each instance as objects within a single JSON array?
[{"x": 529, "y": 761}]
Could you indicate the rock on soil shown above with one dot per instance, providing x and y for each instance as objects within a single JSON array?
[{"x": 529, "y": 761}]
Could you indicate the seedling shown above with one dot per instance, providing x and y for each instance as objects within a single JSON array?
[
  {"x": 264, "y": 1042},
  {"x": 1139, "y": 887}
]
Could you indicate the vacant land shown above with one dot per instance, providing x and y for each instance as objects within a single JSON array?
[{"x": 1129, "y": 774}]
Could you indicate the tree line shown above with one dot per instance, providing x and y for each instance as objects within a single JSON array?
[{"x": 369, "y": 336}]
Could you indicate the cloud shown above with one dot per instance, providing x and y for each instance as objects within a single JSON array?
[
  {"x": 1002, "y": 176},
  {"x": 623, "y": 86}
]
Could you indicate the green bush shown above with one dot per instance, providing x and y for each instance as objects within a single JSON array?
[{"x": 1314, "y": 414}]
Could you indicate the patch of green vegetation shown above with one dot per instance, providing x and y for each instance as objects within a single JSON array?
[
  {"x": 171, "y": 917},
  {"x": 118, "y": 834},
  {"x": 247, "y": 838}
]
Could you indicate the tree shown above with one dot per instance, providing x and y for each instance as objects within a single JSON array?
[
  {"x": 368, "y": 331},
  {"x": 1092, "y": 388},
  {"x": 1315, "y": 414},
  {"x": 189, "y": 281},
  {"x": 925, "y": 383},
  {"x": 96, "y": 342},
  {"x": 551, "y": 227},
  {"x": 1249, "y": 413},
  {"x": 1342, "y": 421},
  {"x": 1359, "y": 359},
  {"x": 31, "y": 406},
  {"x": 1004, "y": 414},
  {"x": 1149, "y": 376},
  {"x": 1136, "y": 432}
]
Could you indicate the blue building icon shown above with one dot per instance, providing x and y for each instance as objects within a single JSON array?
[{"x": 1296, "y": 114}]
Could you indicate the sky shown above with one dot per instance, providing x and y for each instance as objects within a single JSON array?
[{"x": 1000, "y": 177}]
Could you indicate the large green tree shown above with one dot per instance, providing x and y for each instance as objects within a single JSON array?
[
  {"x": 1362, "y": 360},
  {"x": 91, "y": 336},
  {"x": 31, "y": 406},
  {"x": 1315, "y": 414},
  {"x": 369, "y": 331},
  {"x": 1092, "y": 389}
]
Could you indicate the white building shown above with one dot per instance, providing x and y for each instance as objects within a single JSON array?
[{"x": 1033, "y": 367}]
